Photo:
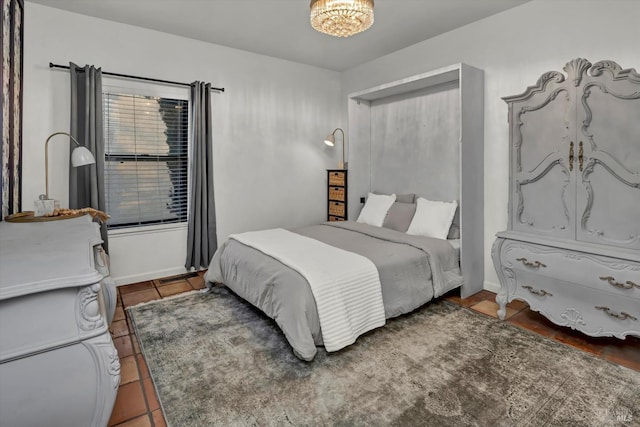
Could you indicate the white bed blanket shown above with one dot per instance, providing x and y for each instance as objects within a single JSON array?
[{"x": 345, "y": 285}]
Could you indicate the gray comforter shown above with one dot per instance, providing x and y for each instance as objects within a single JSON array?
[{"x": 412, "y": 270}]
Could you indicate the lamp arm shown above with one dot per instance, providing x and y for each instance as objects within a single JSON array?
[
  {"x": 343, "y": 143},
  {"x": 46, "y": 159}
]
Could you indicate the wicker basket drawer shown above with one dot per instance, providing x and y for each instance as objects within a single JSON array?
[
  {"x": 336, "y": 218},
  {"x": 336, "y": 208},
  {"x": 336, "y": 193},
  {"x": 336, "y": 178}
]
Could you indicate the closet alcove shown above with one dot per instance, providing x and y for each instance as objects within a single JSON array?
[{"x": 424, "y": 134}]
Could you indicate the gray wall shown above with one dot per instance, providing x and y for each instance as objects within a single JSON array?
[
  {"x": 415, "y": 143},
  {"x": 269, "y": 125}
]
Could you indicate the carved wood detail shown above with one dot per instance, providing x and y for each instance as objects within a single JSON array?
[
  {"x": 505, "y": 274},
  {"x": 573, "y": 318},
  {"x": 546, "y": 168},
  {"x": 575, "y": 70},
  {"x": 88, "y": 315},
  {"x": 107, "y": 370},
  {"x": 519, "y": 122},
  {"x": 608, "y": 162},
  {"x": 540, "y": 86},
  {"x": 615, "y": 70}
]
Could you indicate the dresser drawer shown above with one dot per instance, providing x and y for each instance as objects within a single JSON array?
[
  {"x": 48, "y": 320},
  {"x": 73, "y": 385},
  {"x": 337, "y": 178},
  {"x": 619, "y": 277},
  {"x": 592, "y": 311}
]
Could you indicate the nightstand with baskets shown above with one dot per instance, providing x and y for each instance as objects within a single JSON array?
[{"x": 337, "y": 195}]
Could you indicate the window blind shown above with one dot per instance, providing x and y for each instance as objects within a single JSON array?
[{"x": 146, "y": 159}]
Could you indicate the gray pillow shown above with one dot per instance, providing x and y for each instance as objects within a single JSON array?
[
  {"x": 402, "y": 198},
  {"x": 454, "y": 231},
  {"x": 405, "y": 198},
  {"x": 399, "y": 216}
]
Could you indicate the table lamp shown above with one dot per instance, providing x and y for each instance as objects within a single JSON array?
[
  {"x": 80, "y": 156},
  {"x": 330, "y": 140}
]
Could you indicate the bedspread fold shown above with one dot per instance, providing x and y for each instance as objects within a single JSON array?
[{"x": 441, "y": 255}]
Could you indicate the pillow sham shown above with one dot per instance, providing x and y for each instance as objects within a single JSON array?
[
  {"x": 432, "y": 218},
  {"x": 375, "y": 209},
  {"x": 454, "y": 232},
  {"x": 399, "y": 216}
]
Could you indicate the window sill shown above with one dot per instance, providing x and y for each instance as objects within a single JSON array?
[{"x": 146, "y": 229}]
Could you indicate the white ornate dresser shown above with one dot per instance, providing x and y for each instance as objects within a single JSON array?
[
  {"x": 572, "y": 248},
  {"x": 58, "y": 364}
]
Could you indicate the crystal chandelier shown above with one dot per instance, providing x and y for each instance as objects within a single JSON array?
[{"x": 341, "y": 18}]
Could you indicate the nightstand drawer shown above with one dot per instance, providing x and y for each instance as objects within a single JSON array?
[
  {"x": 336, "y": 209},
  {"x": 337, "y": 178},
  {"x": 336, "y": 193},
  {"x": 336, "y": 218}
]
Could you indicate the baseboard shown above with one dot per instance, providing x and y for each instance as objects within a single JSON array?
[
  {"x": 125, "y": 280},
  {"x": 493, "y": 287},
  {"x": 150, "y": 275}
]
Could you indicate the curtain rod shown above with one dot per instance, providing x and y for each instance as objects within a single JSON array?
[{"x": 128, "y": 76}]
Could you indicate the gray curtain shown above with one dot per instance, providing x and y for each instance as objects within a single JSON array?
[
  {"x": 202, "y": 237},
  {"x": 86, "y": 183}
]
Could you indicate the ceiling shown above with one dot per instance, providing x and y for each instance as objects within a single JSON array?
[{"x": 280, "y": 28}]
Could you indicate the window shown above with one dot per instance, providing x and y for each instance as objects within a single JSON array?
[{"x": 146, "y": 159}]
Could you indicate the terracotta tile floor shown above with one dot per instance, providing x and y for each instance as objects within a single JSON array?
[{"x": 137, "y": 404}]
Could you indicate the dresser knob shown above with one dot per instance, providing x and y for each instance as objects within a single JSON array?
[
  {"x": 540, "y": 293},
  {"x": 534, "y": 264},
  {"x": 612, "y": 281},
  {"x": 621, "y": 316}
]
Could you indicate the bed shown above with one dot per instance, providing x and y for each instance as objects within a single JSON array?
[{"x": 412, "y": 270}]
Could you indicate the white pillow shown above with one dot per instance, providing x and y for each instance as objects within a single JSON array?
[
  {"x": 375, "y": 209},
  {"x": 432, "y": 219}
]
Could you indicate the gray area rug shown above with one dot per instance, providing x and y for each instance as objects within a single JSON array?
[{"x": 217, "y": 361}]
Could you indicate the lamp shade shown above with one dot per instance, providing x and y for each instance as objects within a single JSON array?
[
  {"x": 330, "y": 140},
  {"x": 81, "y": 156}
]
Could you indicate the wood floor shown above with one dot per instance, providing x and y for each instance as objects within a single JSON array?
[{"x": 137, "y": 404}]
